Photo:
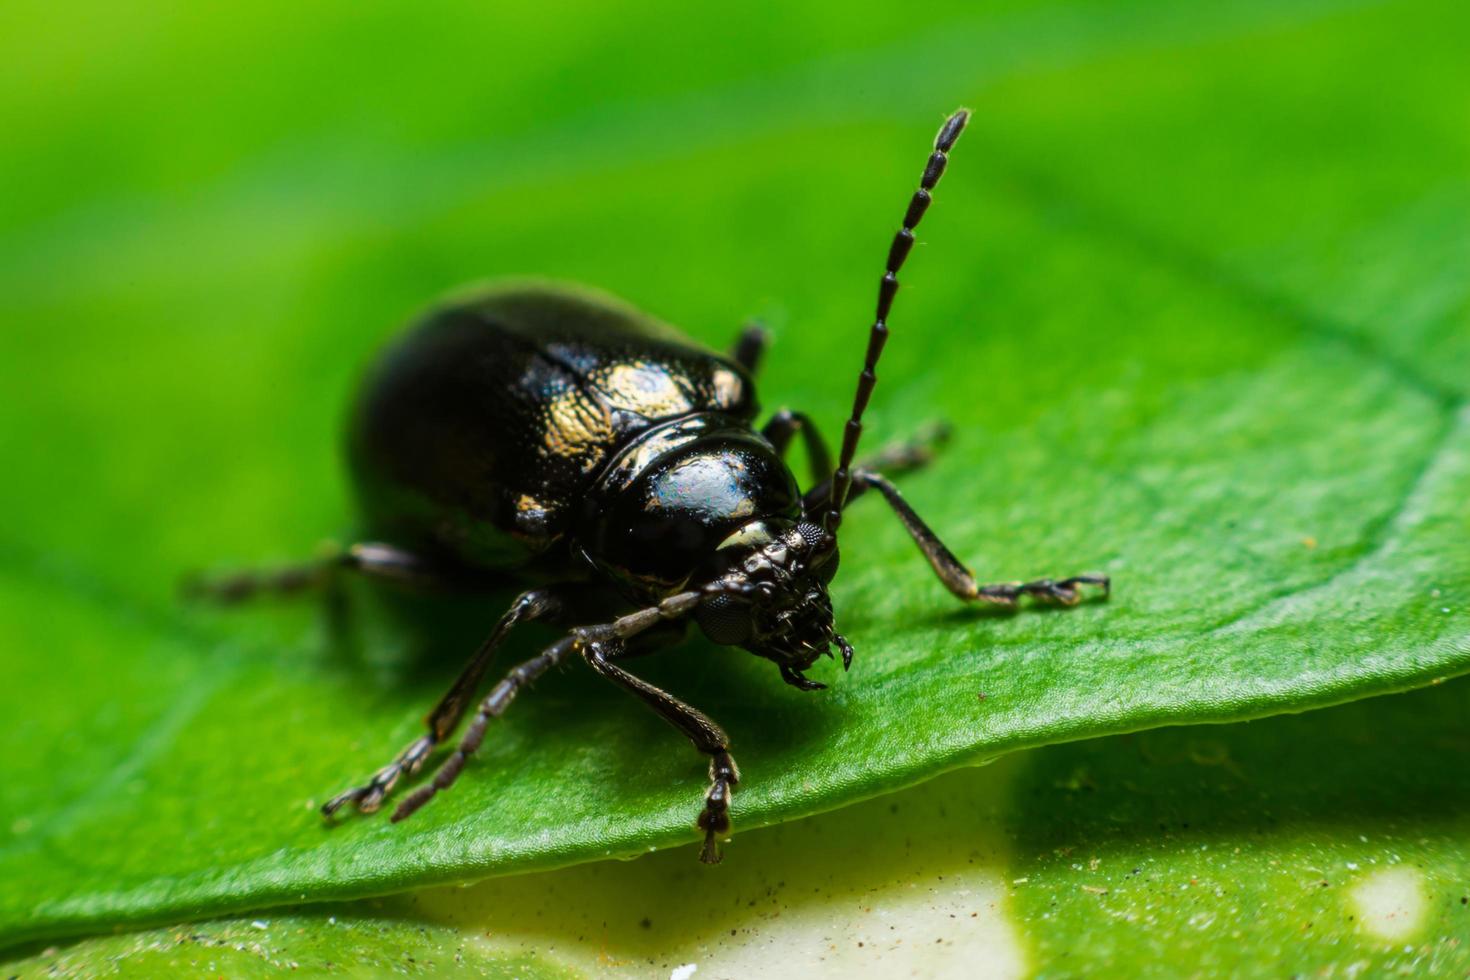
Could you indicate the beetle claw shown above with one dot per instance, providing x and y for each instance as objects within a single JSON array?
[
  {"x": 846, "y": 649},
  {"x": 800, "y": 681}
]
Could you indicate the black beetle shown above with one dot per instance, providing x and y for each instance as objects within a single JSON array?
[{"x": 562, "y": 436}]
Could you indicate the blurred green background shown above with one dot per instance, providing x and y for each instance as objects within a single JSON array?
[
  {"x": 213, "y": 216},
  {"x": 1197, "y": 300}
]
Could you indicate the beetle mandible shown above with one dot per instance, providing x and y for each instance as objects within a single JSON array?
[{"x": 562, "y": 436}]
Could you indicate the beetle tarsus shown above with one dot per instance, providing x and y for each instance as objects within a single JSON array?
[
  {"x": 846, "y": 649},
  {"x": 1064, "y": 591},
  {"x": 369, "y": 797},
  {"x": 714, "y": 820}
]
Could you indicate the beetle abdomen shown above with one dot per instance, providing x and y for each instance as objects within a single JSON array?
[{"x": 478, "y": 430}]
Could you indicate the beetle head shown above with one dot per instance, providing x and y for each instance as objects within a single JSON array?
[{"x": 778, "y": 607}]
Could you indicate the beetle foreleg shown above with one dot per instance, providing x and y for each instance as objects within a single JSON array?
[
  {"x": 447, "y": 715},
  {"x": 698, "y": 727},
  {"x": 536, "y": 604},
  {"x": 956, "y": 577},
  {"x": 494, "y": 705}
]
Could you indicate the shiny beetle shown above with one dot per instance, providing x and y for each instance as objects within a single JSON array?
[{"x": 563, "y": 437}]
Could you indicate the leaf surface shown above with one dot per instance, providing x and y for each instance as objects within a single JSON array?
[
  {"x": 1195, "y": 304},
  {"x": 1328, "y": 842}
]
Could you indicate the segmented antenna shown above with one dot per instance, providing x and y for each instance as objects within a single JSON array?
[{"x": 887, "y": 289}]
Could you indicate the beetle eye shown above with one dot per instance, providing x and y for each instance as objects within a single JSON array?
[
  {"x": 816, "y": 539},
  {"x": 724, "y": 619}
]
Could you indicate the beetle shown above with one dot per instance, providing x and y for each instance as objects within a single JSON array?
[{"x": 608, "y": 462}]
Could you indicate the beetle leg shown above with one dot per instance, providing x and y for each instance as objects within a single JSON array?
[
  {"x": 446, "y": 715},
  {"x": 749, "y": 347},
  {"x": 698, "y": 727},
  {"x": 623, "y": 628},
  {"x": 914, "y": 453},
  {"x": 956, "y": 577},
  {"x": 494, "y": 705},
  {"x": 373, "y": 559},
  {"x": 784, "y": 425},
  {"x": 900, "y": 457}
]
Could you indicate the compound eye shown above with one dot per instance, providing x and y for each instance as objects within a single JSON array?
[
  {"x": 724, "y": 619},
  {"x": 816, "y": 539},
  {"x": 822, "y": 548}
]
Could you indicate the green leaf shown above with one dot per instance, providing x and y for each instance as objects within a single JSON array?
[
  {"x": 1336, "y": 843},
  {"x": 303, "y": 944},
  {"x": 1332, "y": 843},
  {"x": 1198, "y": 317}
]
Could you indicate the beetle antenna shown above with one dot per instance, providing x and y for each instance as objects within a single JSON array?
[{"x": 887, "y": 289}]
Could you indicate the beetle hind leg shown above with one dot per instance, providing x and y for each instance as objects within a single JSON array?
[{"x": 368, "y": 558}]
